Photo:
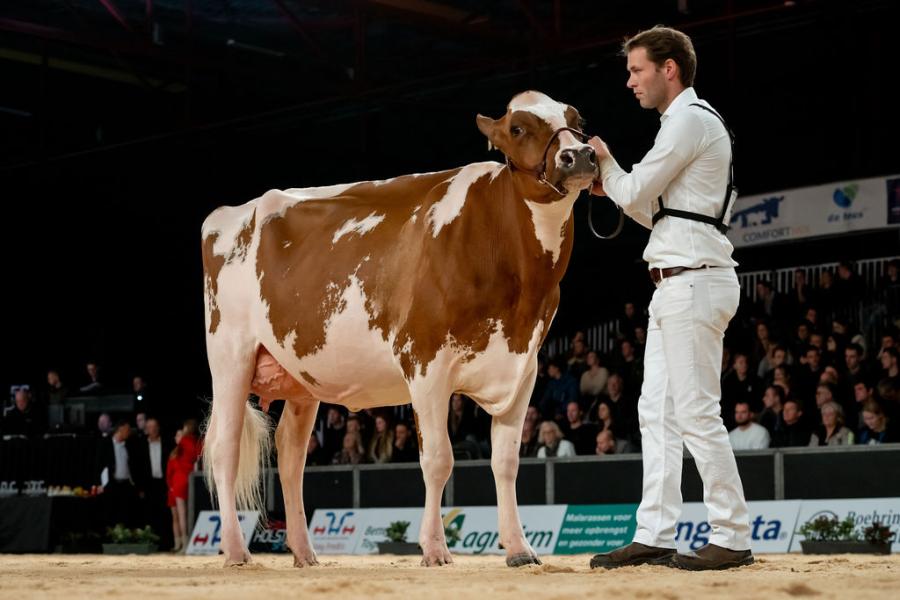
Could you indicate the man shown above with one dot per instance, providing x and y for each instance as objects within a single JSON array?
[
  {"x": 117, "y": 470},
  {"x": 605, "y": 443},
  {"x": 681, "y": 190},
  {"x": 404, "y": 448},
  {"x": 740, "y": 386},
  {"x": 747, "y": 435},
  {"x": 582, "y": 435},
  {"x": 149, "y": 475},
  {"x": 22, "y": 418},
  {"x": 793, "y": 431}
]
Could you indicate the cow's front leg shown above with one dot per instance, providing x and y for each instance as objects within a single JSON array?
[
  {"x": 506, "y": 436},
  {"x": 436, "y": 457},
  {"x": 291, "y": 440}
]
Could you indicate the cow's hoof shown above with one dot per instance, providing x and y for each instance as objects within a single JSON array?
[
  {"x": 308, "y": 560},
  {"x": 522, "y": 559},
  {"x": 437, "y": 561}
]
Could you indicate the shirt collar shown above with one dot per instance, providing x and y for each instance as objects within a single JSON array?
[{"x": 681, "y": 101}]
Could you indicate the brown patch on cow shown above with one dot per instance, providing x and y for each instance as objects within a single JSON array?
[
  {"x": 309, "y": 378},
  {"x": 242, "y": 243},
  {"x": 485, "y": 266},
  {"x": 418, "y": 430},
  {"x": 212, "y": 265}
]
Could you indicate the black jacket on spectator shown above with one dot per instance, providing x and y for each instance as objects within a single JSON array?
[
  {"x": 141, "y": 468},
  {"x": 16, "y": 422},
  {"x": 789, "y": 436},
  {"x": 735, "y": 390},
  {"x": 107, "y": 457},
  {"x": 584, "y": 438},
  {"x": 409, "y": 453}
]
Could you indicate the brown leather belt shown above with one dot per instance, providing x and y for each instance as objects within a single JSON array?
[{"x": 657, "y": 275}]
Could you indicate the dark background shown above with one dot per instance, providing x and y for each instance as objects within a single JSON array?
[{"x": 124, "y": 123}]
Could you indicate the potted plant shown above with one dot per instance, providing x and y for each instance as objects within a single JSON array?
[
  {"x": 825, "y": 535},
  {"x": 130, "y": 541},
  {"x": 397, "y": 544}
]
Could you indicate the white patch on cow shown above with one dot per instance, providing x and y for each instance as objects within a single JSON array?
[
  {"x": 227, "y": 221},
  {"x": 542, "y": 106},
  {"x": 549, "y": 222},
  {"x": 359, "y": 227},
  {"x": 445, "y": 210}
]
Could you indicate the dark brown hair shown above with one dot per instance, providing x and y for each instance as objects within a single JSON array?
[{"x": 663, "y": 43}]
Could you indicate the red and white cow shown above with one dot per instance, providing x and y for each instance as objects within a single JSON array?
[{"x": 388, "y": 292}]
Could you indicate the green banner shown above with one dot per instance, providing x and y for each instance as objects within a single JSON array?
[{"x": 596, "y": 528}]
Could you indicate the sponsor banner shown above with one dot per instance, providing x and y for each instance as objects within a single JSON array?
[
  {"x": 270, "y": 537},
  {"x": 596, "y": 528},
  {"x": 337, "y": 531},
  {"x": 863, "y": 511},
  {"x": 829, "y": 209},
  {"x": 771, "y": 525},
  {"x": 205, "y": 538}
]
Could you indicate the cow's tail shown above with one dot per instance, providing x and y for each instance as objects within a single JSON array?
[{"x": 254, "y": 448}]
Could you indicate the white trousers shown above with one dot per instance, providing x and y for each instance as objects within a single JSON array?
[{"x": 679, "y": 406}]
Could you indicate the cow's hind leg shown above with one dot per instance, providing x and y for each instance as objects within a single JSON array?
[
  {"x": 506, "y": 437},
  {"x": 437, "y": 463},
  {"x": 232, "y": 365},
  {"x": 291, "y": 440}
]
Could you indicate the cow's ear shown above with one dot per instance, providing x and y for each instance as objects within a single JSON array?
[{"x": 489, "y": 128}]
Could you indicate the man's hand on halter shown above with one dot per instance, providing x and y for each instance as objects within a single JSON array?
[{"x": 602, "y": 151}]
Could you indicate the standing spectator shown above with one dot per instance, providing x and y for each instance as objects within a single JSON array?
[
  {"x": 824, "y": 295},
  {"x": 769, "y": 305},
  {"x": 831, "y": 431},
  {"x": 150, "y": 477},
  {"x": 404, "y": 448},
  {"x": 793, "y": 431},
  {"x": 178, "y": 472},
  {"x": 747, "y": 435},
  {"x": 582, "y": 435},
  {"x": 22, "y": 417},
  {"x": 878, "y": 429},
  {"x": 56, "y": 391},
  {"x": 93, "y": 386},
  {"x": 140, "y": 424},
  {"x": 561, "y": 389},
  {"x": 117, "y": 467},
  {"x": 740, "y": 385},
  {"x": 593, "y": 381},
  {"x": 552, "y": 442},
  {"x": 104, "y": 425},
  {"x": 381, "y": 446}
]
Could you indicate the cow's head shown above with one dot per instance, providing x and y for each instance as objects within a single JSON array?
[{"x": 523, "y": 134}]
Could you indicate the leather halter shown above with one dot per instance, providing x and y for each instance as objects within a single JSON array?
[{"x": 540, "y": 173}]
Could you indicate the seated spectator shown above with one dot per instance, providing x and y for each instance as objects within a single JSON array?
[
  {"x": 808, "y": 373},
  {"x": 793, "y": 431},
  {"x": 764, "y": 344},
  {"x": 747, "y": 435},
  {"x": 561, "y": 389},
  {"x": 773, "y": 402},
  {"x": 552, "y": 442},
  {"x": 605, "y": 443},
  {"x": 862, "y": 393},
  {"x": 778, "y": 357},
  {"x": 581, "y": 434},
  {"x": 593, "y": 380},
  {"x": 352, "y": 452},
  {"x": 577, "y": 363},
  {"x": 533, "y": 416},
  {"x": 831, "y": 432},
  {"x": 740, "y": 385},
  {"x": 878, "y": 428},
  {"x": 381, "y": 446},
  {"x": 890, "y": 373},
  {"x": 782, "y": 378},
  {"x": 461, "y": 421},
  {"x": 622, "y": 408},
  {"x": 853, "y": 362},
  {"x": 404, "y": 448},
  {"x": 530, "y": 444},
  {"x": 630, "y": 366},
  {"x": 22, "y": 418},
  {"x": 316, "y": 456}
]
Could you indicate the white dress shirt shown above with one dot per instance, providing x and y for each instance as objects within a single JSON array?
[
  {"x": 121, "y": 452},
  {"x": 156, "y": 468},
  {"x": 688, "y": 167}
]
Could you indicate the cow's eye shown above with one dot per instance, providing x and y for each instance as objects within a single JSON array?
[{"x": 516, "y": 131}]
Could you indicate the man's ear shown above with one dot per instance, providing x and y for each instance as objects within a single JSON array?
[{"x": 488, "y": 127}]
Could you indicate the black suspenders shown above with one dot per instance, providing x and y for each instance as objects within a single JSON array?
[{"x": 730, "y": 191}]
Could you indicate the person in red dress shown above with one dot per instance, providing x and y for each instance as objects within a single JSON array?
[{"x": 178, "y": 472}]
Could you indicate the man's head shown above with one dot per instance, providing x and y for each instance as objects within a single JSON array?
[
  {"x": 824, "y": 394},
  {"x": 779, "y": 356},
  {"x": 532, "y": 415},
  {"x": 554, "y": 370},
  {"x": 661, "y": 63},
  {"x": 92, "y": 370},
  {"x": 627, "y": 349},
  {"x": 573, "y": 413},
  {"x": 740, "y": 364},
  {"x": 578, "y": 348},
  {"x": 614, "y": 385},
  {"x": 353, "y": 424},
  {"x": 813, "y": 357},
  {"x": 140, "y": 421},
  {"x": 104, "y": 423},
  {"x": 889, "y": 357},
  {"x": 151, "y": 428},
  {"x": 845, "y": 270},
  {"x": 122, "y": 431},
  {"x": 53, "y": 378},
  {"x": 23, "y": 399},
  {"x": 862, "y": 391},
  {"x": 606, "y": 442},
  {"x": 401, "y": 434},
  {"x": 773, "y": 398},
  {"x": 817, "y": 340},
  {"x": 791, "y": 412},
  {"x": 527, "y": 135},
  {"x": 852, "y": 356},
  {"x": 742, "y": 414},
  {"x": 138, "y": 384}
]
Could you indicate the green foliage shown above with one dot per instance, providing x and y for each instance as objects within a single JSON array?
[
  {"x": 824, "y": 529},
  {"x": 396, "y": 531},
  {"x": 123, "y": 535},
  {"x": 876, "y": 533}
]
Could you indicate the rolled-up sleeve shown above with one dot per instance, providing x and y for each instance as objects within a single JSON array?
[{"x": 678, "y": 143}]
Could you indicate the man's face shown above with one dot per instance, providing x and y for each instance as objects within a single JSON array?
[
  {"x": 53, "y": 378},
  {"x": 573, "y": 412},
  {"x": 851, "y": 358},
  {"x": 645, "y": 79},
  {"x": 605, "y": 443},
  {"x": 741, "y": 414},
  {"x": 140, "y": 420},
  {"x": 92, "y": 370},
  {"x": 802, "y": 332},
  {"x": 823, "y": 395},
  {"x": 137, "y": 384},
  {"x": 553, "y": 371},
  {"x": 627, "y": 350},
  {"x": 22, "y": 400},
  {"x": 886, "y": 360},
  {"x": 812, "y": 359},
  {"x": 401, "y": 434},
  {"x": 740, "y": 364},
  {"x": 152, "y": 428},
  {"x": 816, "y": 340},
  {"x": 123, "y": 432},
  {"x": 791, "y": 413},
  {"x": 860, "y": 393},
  {"x": 770, "y": 398}
]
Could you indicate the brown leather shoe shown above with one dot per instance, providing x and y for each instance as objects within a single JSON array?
[
  {"x": 631, "y": 555},
  {"x": 712, "y": 558}
]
